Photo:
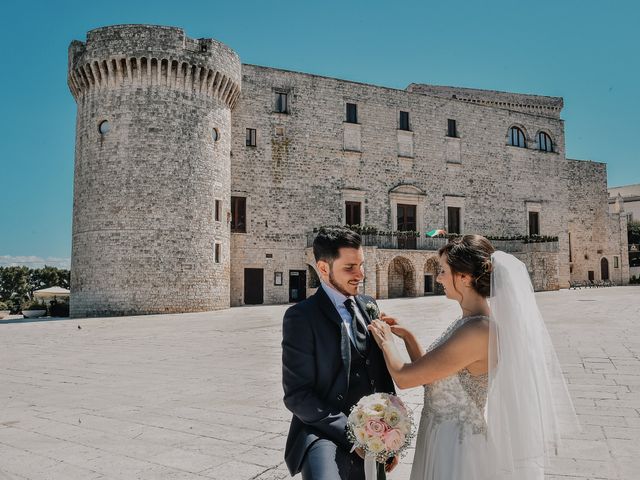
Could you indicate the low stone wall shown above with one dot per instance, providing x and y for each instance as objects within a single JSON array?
[{"x": 543, "y": 268}]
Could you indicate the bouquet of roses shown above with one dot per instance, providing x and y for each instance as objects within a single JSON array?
[{"x": 381, "y": 425}]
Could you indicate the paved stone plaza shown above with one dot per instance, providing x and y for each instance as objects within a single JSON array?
[{"x": 198, "y": 395}]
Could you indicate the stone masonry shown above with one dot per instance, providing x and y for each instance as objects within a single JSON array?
[
  {"x": 597, "y": 236},
  {"x": 145, "y": 191},
  {"x": 145, "y": 223}
]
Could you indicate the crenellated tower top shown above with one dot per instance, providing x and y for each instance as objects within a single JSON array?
[{"x": 121, "y": 56}]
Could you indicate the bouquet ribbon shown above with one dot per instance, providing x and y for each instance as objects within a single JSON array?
[{"x": 370, "y": 467}]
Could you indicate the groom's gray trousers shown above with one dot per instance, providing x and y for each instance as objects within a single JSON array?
[{"x": 325, "y": 461}]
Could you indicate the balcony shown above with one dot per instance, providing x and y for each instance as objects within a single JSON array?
[{"x": 411, "y": 242}]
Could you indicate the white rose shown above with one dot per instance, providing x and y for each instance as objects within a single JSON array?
[
  {"x": 392, "y": 417},
  {"x": 375, "y": 445},
  {"x": 375, "y": 410},
  {"x": 361, "y": 436},
  {"x": 361, "y": 418}
]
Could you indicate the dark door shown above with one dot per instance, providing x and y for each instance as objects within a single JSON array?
[
  {"x": 428, "y": 284},
  {"x": 297, "y": 285},
  {"x": 352, "y": 214},
  {"x": 406, "y": 223},
  {"x": 534, "y": 223},
  {"x": 591, "y": 275},
  {"x": 453, "y": 219},
  {"x": 604, "y": 269},
  {"x": 253, "y": 286}
]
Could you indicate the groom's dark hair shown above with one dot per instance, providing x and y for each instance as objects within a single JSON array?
[{"x": 330, "y": 240}]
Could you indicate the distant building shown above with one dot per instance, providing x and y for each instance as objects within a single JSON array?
[
  {"x": 630, "y": 195},
  {"x": 626, "y": 200}
]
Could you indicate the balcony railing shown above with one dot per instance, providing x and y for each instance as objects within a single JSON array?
[{"x": 393, "y": 242}]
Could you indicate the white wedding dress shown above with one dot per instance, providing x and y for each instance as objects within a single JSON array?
[
  {"x": 452, "y": 433},
  {"x": 504, "y": 425}
]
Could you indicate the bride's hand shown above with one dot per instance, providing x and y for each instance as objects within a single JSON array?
[
  {"x": 381, "y": 332},
  {"x": 396, "y": 328}
]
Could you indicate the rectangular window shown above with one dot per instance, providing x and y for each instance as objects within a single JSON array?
[
  {"x": 282, "y": 102},
  {"x": 251, "y": 137},
  {"x": 238, "y": 214},
  {"x": 404, "y": 121},
  {"x": 407, "y": 222},
  {"x": 353, "y": 210},
  {"x": 451, "y": 128},
  {"x": 453, "y": 218},
  {"x": 217, "y": 253},
  {"x": 534, "y": 223},
  {"x": 616, "y": 262},
  {"x": 352, "y": 113},
  {"x": 218, "y": 212},
  {"x": 570, "y": 253}
]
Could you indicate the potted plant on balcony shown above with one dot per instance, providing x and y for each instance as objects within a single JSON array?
[
  {"x": 4, "y": 310},
  {"x": 34, "y": 309}
]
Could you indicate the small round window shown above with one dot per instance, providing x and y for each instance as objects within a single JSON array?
[
  {"x": 215, "y": 135},
  {"x": 104, "y": 127}
]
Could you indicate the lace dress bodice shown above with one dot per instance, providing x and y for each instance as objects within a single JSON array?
[{"x": 460, "y": 397}]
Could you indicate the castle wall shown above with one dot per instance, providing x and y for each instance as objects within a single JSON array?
[
  {"x": 145, "y": 227},
  {"x": 144, "y": 232},
  {"x": 595, "y": 233},
  {"x": 297, "y": 181}
]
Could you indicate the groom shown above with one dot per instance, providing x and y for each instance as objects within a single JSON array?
[{"x": 329, "y": 362}]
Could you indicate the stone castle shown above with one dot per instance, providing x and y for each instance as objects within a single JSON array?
[{"x": 199, "y": 180}]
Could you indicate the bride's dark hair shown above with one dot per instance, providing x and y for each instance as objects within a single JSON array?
[{"x": 471, "y": 254}]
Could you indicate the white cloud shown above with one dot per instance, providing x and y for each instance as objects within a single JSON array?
[{"x": 34, "y": 262}]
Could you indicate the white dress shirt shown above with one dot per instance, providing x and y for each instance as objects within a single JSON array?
[{"x": 338, "y": 300}]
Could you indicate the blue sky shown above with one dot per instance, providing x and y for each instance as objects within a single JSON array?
[{"x": 585, "y": 51}]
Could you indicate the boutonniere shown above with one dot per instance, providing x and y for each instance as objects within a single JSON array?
[{"x": 372, "y": 311}]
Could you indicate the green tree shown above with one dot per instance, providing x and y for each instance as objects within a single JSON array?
[
  {"x": 49, "y": 277},
  {"x": 14, "y": 286},
  {"x": 17, "y": 284}
]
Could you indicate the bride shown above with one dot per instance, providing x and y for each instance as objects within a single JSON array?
[{"x": 495, "y": 400}]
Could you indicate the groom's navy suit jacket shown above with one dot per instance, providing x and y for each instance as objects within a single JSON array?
[{"x": 316, "y": 358}]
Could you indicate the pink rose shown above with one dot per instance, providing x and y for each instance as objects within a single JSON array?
[
  {"x": 393, "y": 439},
  {"x": 375, "y": 427}
]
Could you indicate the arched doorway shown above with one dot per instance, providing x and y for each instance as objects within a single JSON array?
[
  {"x": 402, "y": 281},
  {"x": 604, "y": 269},
  {"x": 431, "y": 269}
]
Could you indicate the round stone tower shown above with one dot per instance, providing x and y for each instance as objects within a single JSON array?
[{"x": 152, "y": 171}]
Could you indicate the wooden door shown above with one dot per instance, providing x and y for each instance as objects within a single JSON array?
[
  {"x": 407, "y": 222},
  {"x": 253, "y": 286}
]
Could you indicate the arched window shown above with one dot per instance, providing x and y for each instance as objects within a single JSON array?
[
  {"x": 544, "y": 142},
  {"x": 516, "y": 138}
]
